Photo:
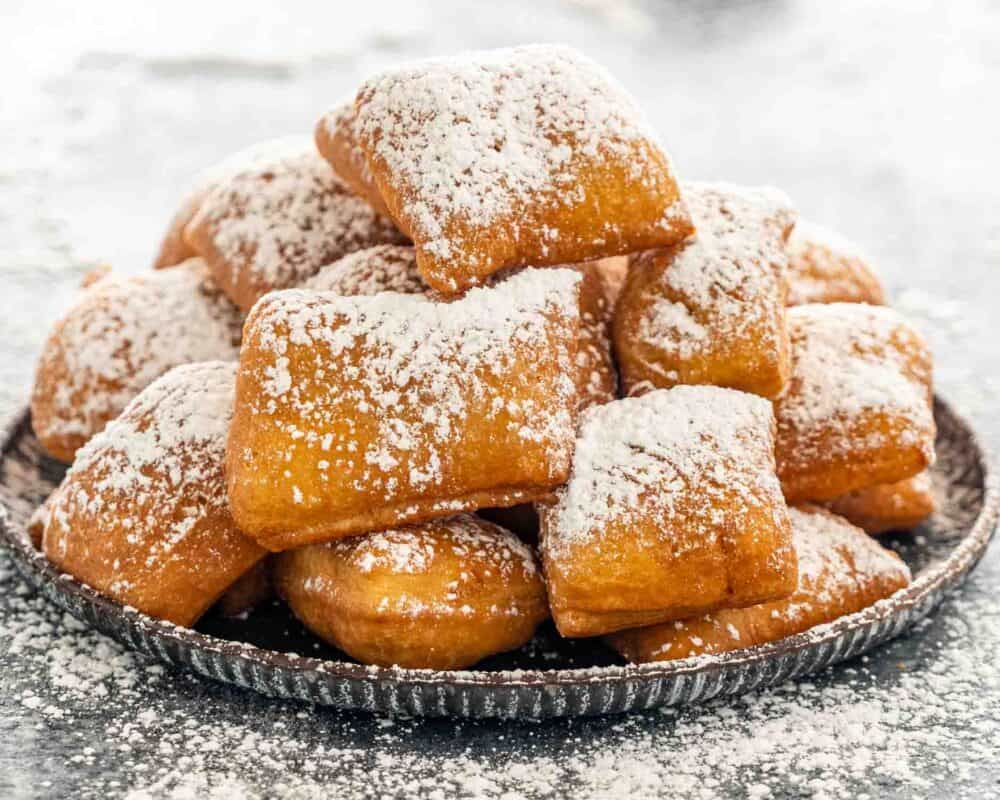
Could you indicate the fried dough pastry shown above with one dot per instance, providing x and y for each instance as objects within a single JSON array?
[
  {"x": 121, "y": 334},
  {"x": 356, "y": 414},
  {"x": 672, "y": 509},
  {"x": 337, "y": 142},
  {"x": 274, "y": 223},
  {"x": 823, "y": 267},
  {"x": 38, "y": 520},
  {"x": 857, "y": 408},
  {"x": 711, "y": 310},
  {"x": 528, "y": 156},
  {"x": 841, "y": 570},
  {"x": 439, "y": 595},
  {"x": 142, "y": 516},
  {"x": 251, "y": 590},
  {"x": 383, "y": 268},
  {"x": 889, "y": 507}
]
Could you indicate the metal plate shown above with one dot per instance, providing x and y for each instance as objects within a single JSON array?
[{"x": 550, "y": 677}]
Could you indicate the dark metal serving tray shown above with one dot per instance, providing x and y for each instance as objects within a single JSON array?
[{"x": 270, "y": 653}]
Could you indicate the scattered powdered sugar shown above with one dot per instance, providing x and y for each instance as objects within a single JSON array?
[
  {"x": 122, "y": 334},
  {"x": 726, "y": 282},
  {"x": 476, "y": 137},
  {"x": 656, "y": 453},
  {"x": 383, "y": 268},
  {"x": 824, "y": 266},
  {"x": 277, "y": 221}
]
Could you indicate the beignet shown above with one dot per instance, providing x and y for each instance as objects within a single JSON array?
[
  {"x": 890, "y": 506},
  {"x": 439, "y": 595},
  {"x": 356, "y": 414},
  {"x": 823, "y": 267},
  {"x": 857, "y": 408},
  {"x": 383, "y": 268},
  {"x": 120, "y": 335},
  {"x": 274, "y": 223},
  {"x": 712, "y": 309},
  {"x": 142, "y": 516},
  {"x": 672, "y": 509},
  {"x": 841, "y": 570},
  {"x": 337, "y": 142},
  {"x": 251, "y": 590},
  {"x": 509, "y": 158}
]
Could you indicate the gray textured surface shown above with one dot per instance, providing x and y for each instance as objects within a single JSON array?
[{"x": 880, "y": 123}]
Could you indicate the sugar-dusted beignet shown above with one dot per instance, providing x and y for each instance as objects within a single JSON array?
[
  {"x": 823, "y": 267},
  {"x": 711, "y": 310},
  {"x": 439, "y": 595},
  {"x": 841, "y": 570},
  {"x": 857, "y": 408},
  {"x": 889, "y": 506},
  {"x": 121, "y": 334},
  {"x": 383, "y": 268},
  {"x": 274, "y": 223},
  {"x": 337, "y": 142},
  {"x": 508, "y": 158},
  {"x": 356, "y": 414},
  {"x": 251, "y": 590},
  {"x": 672, "y": 509},
  {"x": 142, "y": 515}
]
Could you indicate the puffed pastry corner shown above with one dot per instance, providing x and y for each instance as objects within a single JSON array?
[
  {"x": 356, "y": 414},
  {"x": 672, "y": 509},
  {"x": 337, "y": 142},
  {"x": 887, "y": 507},
  {"x": 711, "y": 310},
  {"x": 142, "y": 515},
  {"x": 857, "y": 410},
  {"x": 120, "y": 335},
  {"x": 841, "y": 570},
  {"x": 439, "y": 595},
  {"x": 823, "y": 267},
  {"x": 532, "y": 156}
]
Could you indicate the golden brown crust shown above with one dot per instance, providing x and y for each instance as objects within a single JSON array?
[
  {"x": 672, "y": 509},
  {"x": 173, "y": 247},
  {"x": 142, "y": 516},
  {"x": 251, "y": 590},
  {"x": 710, "y": 310},
  {"x": 841, "y": 570},
  {"x": 889, "y": 507},
  {"x": 857, "y": 409},
  {"x": 360, "y": 413},
  {"x": 824, "y": 268},
  {"x": 441, "y": 595},
  {"x": 338, "y": 144},
  {"x": 581, "y": 177}
]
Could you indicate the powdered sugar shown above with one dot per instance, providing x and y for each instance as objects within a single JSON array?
[
  {"x": 384, "y": 268},
  {"x": 823, "y": 267}
]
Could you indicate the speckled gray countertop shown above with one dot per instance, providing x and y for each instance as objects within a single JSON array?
[{"x": 882, "y": 123}]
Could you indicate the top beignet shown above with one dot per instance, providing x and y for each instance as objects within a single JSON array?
[
  {"x": 356, "y": 414},
  {"x": 712, "y": 309},
  {"x": 528, "y": 156}
]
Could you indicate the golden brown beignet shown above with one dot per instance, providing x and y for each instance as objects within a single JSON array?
[
  {"x": 121, "y": 334},
  {"x": 274, "y": 223},
  {"x": 355, "y": 414},
  {"x": 439, "y": 595},
  {"x": 672, "y": 509},
  {"x": 890, "y": 506},
  {"x": 823, "y": 267},
  {"x": 841, "y": 570},
  {"x": 251, "y": 590},
  {"x": 509, "y": 158},
  {"x": 337, "y": 142},
  {"x": 383, "y": 268},
  {"x": 711, "y": 310},
  {"x": 857, "y": 408},
  {"x": 142, "y": 516},
  {"x": 38, "y": 520}
]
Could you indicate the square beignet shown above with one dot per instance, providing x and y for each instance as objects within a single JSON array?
[
  {"x": 120, "y": 335},
  {"x": 274, "y": 223},
  {"x": 337, "y": 142},
  {"x": 857, "y": 409},
  {"x": 890, "y": 506},
  {"x": 841, "y": 570},
  {"x": 823, "y": 267},
  {"x": 142, "y": 515},
  {"x": 712, "y": 309},
  {"x": 440, "y": 595},
  {"x": 356, "y": 414},
  {"x": 672, "y": 509},
  {"x": 509, "y": 158}
]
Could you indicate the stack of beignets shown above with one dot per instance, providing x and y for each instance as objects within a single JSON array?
[{"x": 483, "y": 315}]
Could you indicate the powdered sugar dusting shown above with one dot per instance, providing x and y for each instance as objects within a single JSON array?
[
  {"x": 384, "y": 268},
  {"x": 823, "y": 267}
]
